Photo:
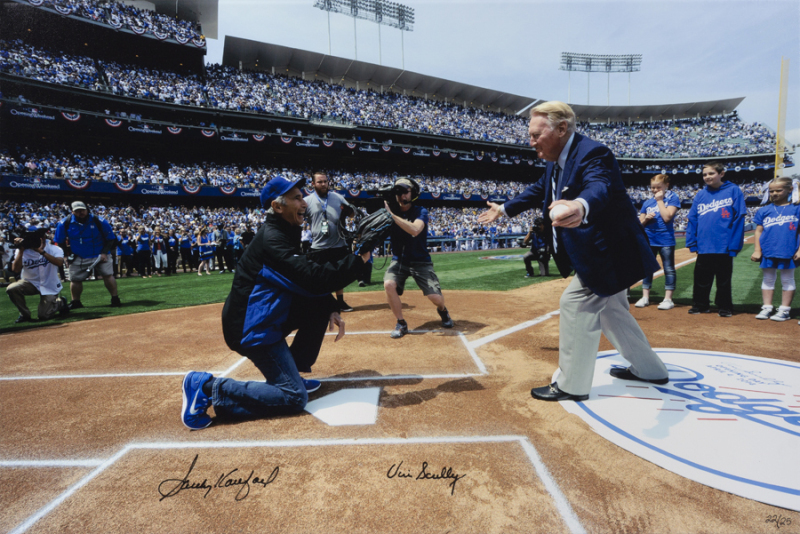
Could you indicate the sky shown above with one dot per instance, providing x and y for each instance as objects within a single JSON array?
[{"x": 692, "y": 50}]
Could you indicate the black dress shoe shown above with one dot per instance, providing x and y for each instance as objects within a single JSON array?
[
  {"x": 626, "y": 374},
  {"x": 552, "y": 393}
]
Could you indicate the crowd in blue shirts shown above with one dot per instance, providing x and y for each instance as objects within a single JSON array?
[
  {"x": 134, "y": 170},
  {"x": 32, "y": 62},
  {"x": 118, "y": 14},
  {"x": 227, "y": 88}
]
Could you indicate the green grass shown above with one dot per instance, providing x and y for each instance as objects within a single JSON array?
[
  {"x": 746, "y": 283},
  {"x": 456, "y": 271}
]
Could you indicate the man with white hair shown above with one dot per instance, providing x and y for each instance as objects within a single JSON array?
[{"x": 597, "y": 234}]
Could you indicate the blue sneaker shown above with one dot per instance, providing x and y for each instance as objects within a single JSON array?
[
  {"x": 195, "y": 402},
  {"x": 312, "y": 385}
]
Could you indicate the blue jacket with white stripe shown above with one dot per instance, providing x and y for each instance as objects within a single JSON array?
[{"x": 273, "y": 273}]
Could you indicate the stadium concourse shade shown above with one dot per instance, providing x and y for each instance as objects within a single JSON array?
[{"x": 253, "y": 55}]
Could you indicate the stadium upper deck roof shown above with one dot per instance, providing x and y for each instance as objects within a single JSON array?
[
  {"x": 254, "y": 55},
  {"x": 203, "y": 11}
]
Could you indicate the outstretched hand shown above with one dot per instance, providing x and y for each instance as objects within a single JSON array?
[{"x": 492, "y": 214}]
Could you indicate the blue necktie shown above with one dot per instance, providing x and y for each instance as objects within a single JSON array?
[{"x": 554, "y": 178}]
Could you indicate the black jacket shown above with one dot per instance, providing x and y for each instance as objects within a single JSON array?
[{"x": 272, "y": 274}]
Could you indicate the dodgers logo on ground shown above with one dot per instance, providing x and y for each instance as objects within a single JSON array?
[{"x": 728, "y": 421}]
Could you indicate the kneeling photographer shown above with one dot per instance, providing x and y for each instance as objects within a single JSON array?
[{"x": 38, "y": 260}]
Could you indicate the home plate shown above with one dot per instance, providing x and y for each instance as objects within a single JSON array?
[
  {"x": 729, "y": 421},
  {"x": 347, "y": 407}
]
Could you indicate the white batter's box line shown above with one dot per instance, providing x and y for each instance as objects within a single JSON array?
[
  {"x": 17, "y": 464},
  {"x": 559, "y": 500},
  {"x": 398, "y": 377},
  {"x": 111, "y": 375},
  {"x": 478, "y": 363},
  {"x": 497, "y": 335}
]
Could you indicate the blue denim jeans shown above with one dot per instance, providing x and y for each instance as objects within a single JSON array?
[
  {"x": 668, "y": 261},
  {"x": 283, "y": 392}
]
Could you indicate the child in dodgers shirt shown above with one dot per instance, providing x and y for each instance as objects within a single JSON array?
[
  {"x": 716, "y": 233},
  {"x": 777, "y": 247}
]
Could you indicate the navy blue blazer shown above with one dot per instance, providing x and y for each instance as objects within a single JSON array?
[{"x": 610, "y": 252}]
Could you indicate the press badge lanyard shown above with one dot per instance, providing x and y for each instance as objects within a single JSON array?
[{"x": 324, "y": 226}]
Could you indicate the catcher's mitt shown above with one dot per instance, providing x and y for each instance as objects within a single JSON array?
[{"x": 372, "y": 230}]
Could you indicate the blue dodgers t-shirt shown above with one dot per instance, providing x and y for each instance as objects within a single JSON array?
[
  {"x": 143, "y": 243},
  {"x": 124, "y": 246},
  {"x": 780, "y": 237},
  {"x": 406, "y": 248},
  {"x": 660, "y": 233}
]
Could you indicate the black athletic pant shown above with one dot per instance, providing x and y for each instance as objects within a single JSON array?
[
  {"x": 186, "y": 258},
  {"x": 143, "y": 263},
  {"x": 229, "y": 257},
  {"x": 220, "y": 254},
  {"x": 708, "y": 267},
  {"x": 172, "y": 261},
  {"x": 126, "y": 260},
  {"x": 310, "y": 318}
]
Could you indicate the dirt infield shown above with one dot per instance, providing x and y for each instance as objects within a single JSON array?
[{"x": 92, "y": 439}]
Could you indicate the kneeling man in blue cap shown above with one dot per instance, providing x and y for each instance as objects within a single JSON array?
[{"x": 276, "y": 290}]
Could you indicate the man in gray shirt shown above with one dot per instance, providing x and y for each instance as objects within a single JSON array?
[{"x": 323, "y": 213}]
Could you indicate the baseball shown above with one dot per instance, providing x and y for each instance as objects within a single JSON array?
[{"x": 559, "y": 211}]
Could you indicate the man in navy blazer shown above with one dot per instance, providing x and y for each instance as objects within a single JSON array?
[{"x": 600, "y": 238}]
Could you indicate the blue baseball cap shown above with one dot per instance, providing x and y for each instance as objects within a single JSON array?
[{"x": 277, "y": 187}]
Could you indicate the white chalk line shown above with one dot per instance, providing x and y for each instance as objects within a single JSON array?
[
  {"x": 497, "y": 335},
  {"x": 240, "y": 361},
  {"x": 397, "y": 377},
  {"x": 28, "y": 523},
  {"x": 475, "y": 358},
  {"x": 50, "y": 463},
  {"x": 559, "y": 501}
]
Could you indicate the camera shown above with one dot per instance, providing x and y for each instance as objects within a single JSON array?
[{"x": 32, "y": 240}]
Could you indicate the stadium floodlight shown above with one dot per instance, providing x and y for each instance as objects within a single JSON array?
[
  {"x": 381, "y": 12},
  {"x": 589, "y": 63}
]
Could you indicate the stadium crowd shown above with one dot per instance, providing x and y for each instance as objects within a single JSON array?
[
  {"x": 134, "y": 170},
  {"x": 261, "y": 92},
  {"x": 450, "y": 228},
  {"x": 117, "y": 14}
]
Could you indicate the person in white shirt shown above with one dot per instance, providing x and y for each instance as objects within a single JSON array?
[{"x": 39, "y": 267}]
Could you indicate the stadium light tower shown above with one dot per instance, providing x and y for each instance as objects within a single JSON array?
[
  {"x": 382, "y": 12},
  {"x": 589, "y": 63}
]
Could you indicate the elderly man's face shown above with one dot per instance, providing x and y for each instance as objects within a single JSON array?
[
  {"x": 295, "y": 209},
  {"x": 548, "y": 141}
]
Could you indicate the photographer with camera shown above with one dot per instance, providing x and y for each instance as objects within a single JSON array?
[
  {"x": 38, "y": 260},
  {"x": 410, "y": 257},
  {"x": 540, "y": 249},
  {"x": 88, "y": 239}
]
